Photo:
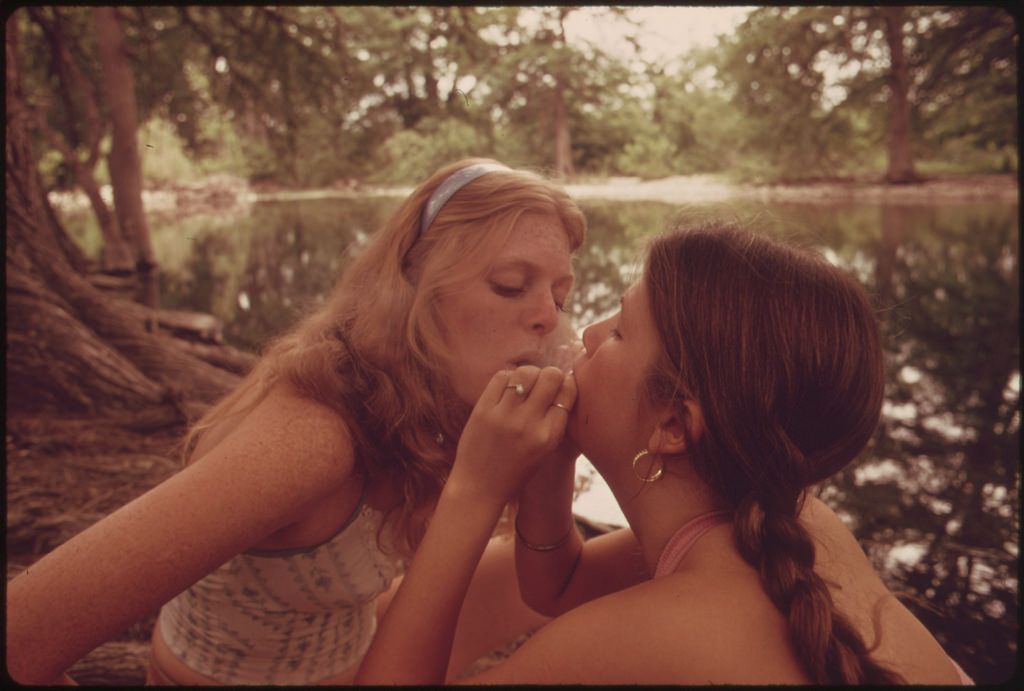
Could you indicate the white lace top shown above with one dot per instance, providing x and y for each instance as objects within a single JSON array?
[{"x": 290, "y": 617}]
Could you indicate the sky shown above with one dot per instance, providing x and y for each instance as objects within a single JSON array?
[{"x": 666, "y": 32}]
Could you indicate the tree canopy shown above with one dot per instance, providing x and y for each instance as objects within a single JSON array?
[{"x": 308, "y": 96}]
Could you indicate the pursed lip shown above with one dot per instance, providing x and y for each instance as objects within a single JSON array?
[{"x": 531, "y": 357}]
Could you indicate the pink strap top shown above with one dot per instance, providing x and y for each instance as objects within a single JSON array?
[{"x": 685, "y": 538}]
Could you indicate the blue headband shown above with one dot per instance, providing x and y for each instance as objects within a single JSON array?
[{"x": 455, "y": 182}]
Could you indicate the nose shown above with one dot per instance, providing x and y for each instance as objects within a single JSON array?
[
  {"x": 543, "y": 315},
  {"x": 593, "y": 334}
]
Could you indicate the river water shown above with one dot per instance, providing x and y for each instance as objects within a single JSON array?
[{"x": 934, "y": 499}]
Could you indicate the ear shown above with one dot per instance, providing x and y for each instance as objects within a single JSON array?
[{"x": 670, "y": 435}]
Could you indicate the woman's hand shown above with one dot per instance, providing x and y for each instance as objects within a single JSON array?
[
  {"x": 513, "y": 427},
  {"x": 509, "y": 434}
]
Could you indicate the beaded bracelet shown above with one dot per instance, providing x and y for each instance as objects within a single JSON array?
[{"x": 543, "y": 548}]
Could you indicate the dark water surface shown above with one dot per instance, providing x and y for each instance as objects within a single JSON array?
[{"x": 934, "y": 499}]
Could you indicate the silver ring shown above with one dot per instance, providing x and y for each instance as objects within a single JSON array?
[
  {"x": 520, "y": 389},
  {"x": 559, "y": 405}
]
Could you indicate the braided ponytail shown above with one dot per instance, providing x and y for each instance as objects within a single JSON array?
[{"x": 774, "y": 542}]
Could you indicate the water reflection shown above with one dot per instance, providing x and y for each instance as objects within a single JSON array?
[{"x": 933, "y": 499}]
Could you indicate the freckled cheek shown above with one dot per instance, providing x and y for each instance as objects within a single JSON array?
[
  {"x": 491, "y": 338},
  {"x": 477, "y": 326}
]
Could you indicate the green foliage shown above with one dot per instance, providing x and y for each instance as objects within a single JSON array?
[
  {"x": 512, "y": 148},
  {"x": 772, "y": 66},
  {"x": 966, "y": 61},
  {"x": 813, "y": 84},
  {"x": 600, "y": 138},
  {"x": 54, "y": 171},
  {"x": 164, "y": 160},
  {"x": 410, "y": 155},
  {"x": 307, "y": 96},
  {"x": 961, "y": 157},
  {"x": 696, "y": 117},
  {"x": 533, "y": 72},
  {"x": 649, "y": 155}
]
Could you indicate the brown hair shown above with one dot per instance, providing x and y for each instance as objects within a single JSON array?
[
  {"x": 780, "y": 350},
  {"x": 375, "y": 350}
]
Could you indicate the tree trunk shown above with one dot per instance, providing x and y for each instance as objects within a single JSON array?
[
  {"x": 124, "y": 162},
  {"x": 80, "y": 104},
  {"x": 563, "y": 145},
  {"x": 116, "y": 256},
  {"x": 71, "y": 347},
  {"x": 901, "y": 162},
  {"x": 76, "y": 258}
]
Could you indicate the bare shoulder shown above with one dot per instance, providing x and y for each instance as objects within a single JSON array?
[
  {"x": 297, "y": 414},
  {"x": 287, "y": 428},
  {"x": 286, "y": 465},
  {"x": 670, "y": 631},
  {"x": 898, "y": 638},
  {"x": 819, "y": 514},
  {"x": 579, "y": 646}
]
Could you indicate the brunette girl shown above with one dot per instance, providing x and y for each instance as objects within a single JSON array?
[{"x": 738, "y": 374}]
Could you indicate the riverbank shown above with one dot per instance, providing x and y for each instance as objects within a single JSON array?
[
  {"x": 688, "y": 189},
  {"x": 234, "y": 195},
  {"x": 704, "y": 188}
]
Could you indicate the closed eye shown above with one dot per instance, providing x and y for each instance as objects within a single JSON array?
[{"x": 507, "y": 291}]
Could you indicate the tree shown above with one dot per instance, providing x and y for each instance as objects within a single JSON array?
[
  {"x": 965, "y": 64},
  {"x": 75, "y": 354},
  {"x": 770, "y": 67},
  {"x": 71, "y": 119},
  {"x": 901, "y": 162},
  {"x": 543, "y": 90},
  {"x": 560, "y": 117},
  {"x": 71, "y": 348},
  {"x": 318, "y": 94},
  {"x": 823, "y": 86},
  {"x": 430, "y": 66},
  {"x": 79, "y": 127},
  {"x": 123, "y": 162}
]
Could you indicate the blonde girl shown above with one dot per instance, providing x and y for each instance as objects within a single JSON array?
[{"x": 307, "y": 487}]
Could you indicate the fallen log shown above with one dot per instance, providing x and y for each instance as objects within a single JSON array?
[
  {"x": 115, "y": 663},
  {"x": 205, "y": 327}
]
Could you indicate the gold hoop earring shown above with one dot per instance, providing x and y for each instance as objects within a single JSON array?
[{"x": 646, "y": 478}]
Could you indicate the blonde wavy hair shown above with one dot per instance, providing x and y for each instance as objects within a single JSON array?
[{"x": 375, "y": 350}]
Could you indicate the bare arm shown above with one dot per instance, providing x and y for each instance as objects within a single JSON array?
[
  {"x": 504, "y": 437},
  {"x": 547, "y": 545},
  {"x": 414, "y": 641},
  {"x": 553, "y": 581},
  {"x": 600, "y": 566},
  {"x": 286, "y": 454}
]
